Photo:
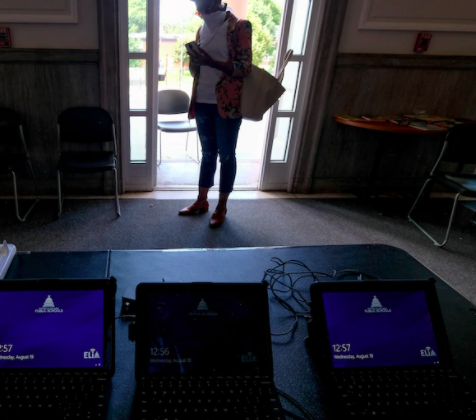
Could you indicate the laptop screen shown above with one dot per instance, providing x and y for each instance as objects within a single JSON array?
[
  {"x": 380, "y": 329},
  {"x": 52, "y": 329},
  {"x": 205, "y": 331}
]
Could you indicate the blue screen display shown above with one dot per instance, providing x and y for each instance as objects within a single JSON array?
[
  {"x": 380, "y": 329},
  {"x": 206, "y": 333},
  {"x": 52, "y": 329}
]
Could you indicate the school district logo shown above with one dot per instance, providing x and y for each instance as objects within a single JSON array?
[
  {"x": 48, "y": 307},
  {"x": 248, "y": 358},
  {"x": 203, "y": 310},
  {"x": 93, "y": 354},
  {"x": 427, "y": 352},
  {"x": 376, "y": 307}
]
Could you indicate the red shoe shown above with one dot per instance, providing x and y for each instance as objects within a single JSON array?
[
  {"x": 194, "y": 209},
  {"x": 217, "y": 219}
]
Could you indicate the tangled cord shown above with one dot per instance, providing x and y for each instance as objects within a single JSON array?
[
  {"x": 299, "y": 406},
  {"x": 283, "y": 281}
]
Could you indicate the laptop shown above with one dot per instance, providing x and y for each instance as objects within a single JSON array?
[
  {"x": 56, "y": 348},
  {"x": 203, "y": 350},
  {"x": 382, "y": 352}
]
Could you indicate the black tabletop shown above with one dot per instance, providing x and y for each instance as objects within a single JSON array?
[{"x": 292, "y": 368}]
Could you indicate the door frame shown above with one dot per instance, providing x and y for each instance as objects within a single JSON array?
[
  {"x": 139, "y": 176},
  {"x": 276, "y": 175},
  {"x": 304, "y": 148}
]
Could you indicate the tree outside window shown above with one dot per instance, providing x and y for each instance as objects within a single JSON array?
[{"x": 264, "y": 15}]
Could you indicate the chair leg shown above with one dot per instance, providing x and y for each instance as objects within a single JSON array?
[
  {"x": 197, "y": 159},
  {"x": 160, "y": 148},
  {"x": 16, "y": 197},
  {"x": 450, "y": 224},
  {"x": 60, "y": 196},
  {"x": 34, "y": 179},
  {"x": 418, "y": 198},
  {"x": 15, "y": 193},
  {"x": 118, "y": 208}
]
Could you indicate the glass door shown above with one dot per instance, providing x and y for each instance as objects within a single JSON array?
[
  {"x": 139, "y": 31},
  {"x": 285, "y": 119}
]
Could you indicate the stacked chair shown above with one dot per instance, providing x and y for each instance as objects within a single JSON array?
[
  {"x": 14, "y": 154},
  {"x": 459, "y": 149},
  {"x": 84, "y": 126}
]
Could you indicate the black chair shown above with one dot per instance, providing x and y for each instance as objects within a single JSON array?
[
  {"x": 14, "y": 153},
  {"x": 83, "y": 126},
  {"x": 459, "y": 148},
  {"x": 171, "y": 102}
]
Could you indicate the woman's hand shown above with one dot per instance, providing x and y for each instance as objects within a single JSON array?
[{"x": 202, "y": 58}]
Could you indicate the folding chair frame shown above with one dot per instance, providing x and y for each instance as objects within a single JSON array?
[{"x": 59, "y": 176}]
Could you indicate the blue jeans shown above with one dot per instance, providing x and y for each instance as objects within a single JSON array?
[{"x": 218, "y": 136}]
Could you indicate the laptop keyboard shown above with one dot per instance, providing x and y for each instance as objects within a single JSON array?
[
  {"x": 231, "y": 398},
  {"x": 387, "y": 394},
  {"x": 52, "y": 395}
]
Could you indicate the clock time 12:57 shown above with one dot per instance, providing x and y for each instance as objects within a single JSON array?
[
  {"x": 6, "y": 348},
  {"x": 341, "y": 348}
]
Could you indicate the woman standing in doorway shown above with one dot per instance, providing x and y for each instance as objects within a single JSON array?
[{"x": 218, "y": 67}]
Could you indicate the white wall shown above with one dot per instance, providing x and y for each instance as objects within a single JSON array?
[
  {"x": 81, "y": 35},
  {"x": 400, "y": 13}
]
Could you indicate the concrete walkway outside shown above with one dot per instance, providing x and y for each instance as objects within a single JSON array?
[{"x": 179, "y": 168}]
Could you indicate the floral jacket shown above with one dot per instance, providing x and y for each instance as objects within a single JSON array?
[{"x": 229, "y": 88}]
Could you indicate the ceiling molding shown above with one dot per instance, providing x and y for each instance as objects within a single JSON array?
[
  {"x": 370, "y": 20},
  {"x": 40, "y": 14}
]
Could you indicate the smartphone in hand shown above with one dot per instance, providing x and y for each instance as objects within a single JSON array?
[{"x": 192, "y": 48}]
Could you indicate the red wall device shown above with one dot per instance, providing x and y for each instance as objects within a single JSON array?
[{"x": 422, "y": 42}]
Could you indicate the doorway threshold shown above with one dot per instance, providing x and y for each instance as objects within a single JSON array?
[{"x": 194, "y": 188}]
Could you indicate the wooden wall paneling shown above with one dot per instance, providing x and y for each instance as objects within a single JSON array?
[
  {"x": 405, "y": 61},
  {"x": 403, "y": 156},
  {"x": 39, "y": 89},
  {"x": 345, "y": 88},
  {"x": 346, "y": 155},
  {"x": 440, "y": 93},
  {"x": 430, "y": 91},
  {"x": 408, "y": 156},
  {"x": 389, "y": 85},
  {"x": 374, "y": 85},
  {"x": 22, "y": 55},
  {"x": 341, "y": 151},
  {"x": 462, "y": 98},
  {"x": 405, "y": 92}
]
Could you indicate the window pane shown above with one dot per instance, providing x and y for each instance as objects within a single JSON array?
[
  {"x": 299, "y": 25},
  {"x": 137, "y": 25},
  {"x": 292, "y": 74},
  {"x": 282, "y": 133},
  {"x": 138, "y": 139},
  {"x": 137, "y": 85},
  {"x": 178, "y": 25}
]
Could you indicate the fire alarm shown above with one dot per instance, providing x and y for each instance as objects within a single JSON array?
[
  {"x": 422, "y": 42},
  {"x": 5, "y": 38}
]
